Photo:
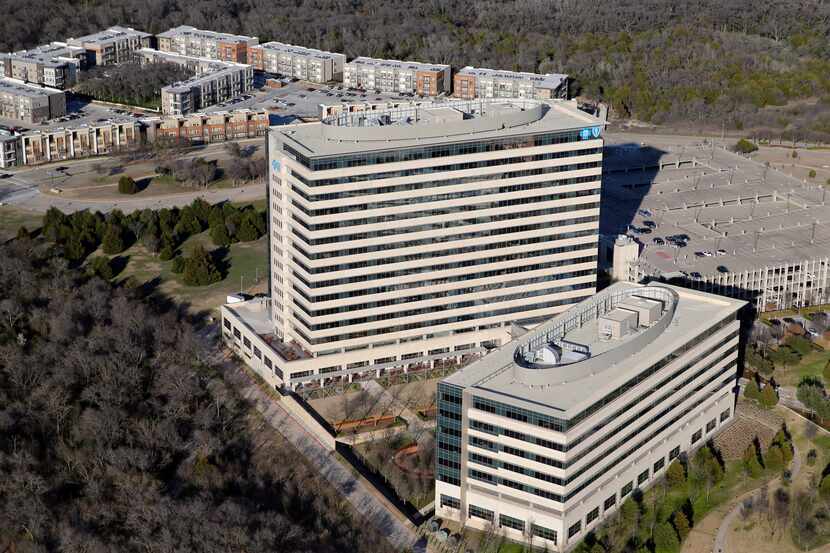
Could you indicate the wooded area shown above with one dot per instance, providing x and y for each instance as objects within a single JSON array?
[
  {"x": 116, "y": 434},
  {"x": 132, "y": 83},
  {"x": 700, "y": 62}
]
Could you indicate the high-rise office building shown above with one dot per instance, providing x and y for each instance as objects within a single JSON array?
[
  {"x": 547, "y": 436},
  {"x": 419, "y": 235}
]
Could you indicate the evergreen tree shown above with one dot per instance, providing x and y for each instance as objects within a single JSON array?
[
  {"x": 824, "y": 488},
  {"x": 675, "y": 474},
  {"x": 219, "y": 234},
  {"x": 167, "y": 252},
  {"x": 100, "y": 266},
  {"x": 768, "y": 397},
  {"x": 126, "y": 185},
  {"x": 247, "y": 231},
  {"x": 751, "y": 464},
  {"x": 22, "y": 233},
  {"x": 665, "y": 539},
  {"x": 178, "y": 265},
  {"x": 774, "y": 458},
  {"x": 113, "y": 241},
  {"x": 681, "y": 525},
  {"x": 200, "y": 269},
  {"x": 751, "y": 391},
  {"x": 74, "y": 250}
]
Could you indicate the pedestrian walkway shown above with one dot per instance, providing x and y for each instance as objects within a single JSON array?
[{"x": 365, "y": 500}]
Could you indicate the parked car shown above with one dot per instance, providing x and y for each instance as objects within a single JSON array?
[
  {"x": 658, "y": 241},
  {"x": 722, "y": 269},
  {"x": 695, "y": 275},
  {"x": 721, "y": 252},
  {"x": 650, "y": 224}
]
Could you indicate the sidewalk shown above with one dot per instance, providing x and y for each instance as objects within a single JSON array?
[{"x": 364, "y": 499}]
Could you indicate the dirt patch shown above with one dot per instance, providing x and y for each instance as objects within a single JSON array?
[{"x": 733, "y": 441}]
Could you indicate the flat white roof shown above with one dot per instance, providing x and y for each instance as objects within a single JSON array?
[
  {"x": 545, "y": 80},
  {"x": 564, "y": 390},
  {"x": 397, "y": 64}
]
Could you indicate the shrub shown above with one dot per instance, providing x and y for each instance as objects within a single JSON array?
[
  {"x": 769, "y": 398},
  {"x": 794, "y": 154},
  {"x": 812, "y": 173},
  {"x": 744, "y": 146},
  {"x": 812, "y": 455},
  {"x": 126, "y": 185},
  {"x": 22, "y": 233},
  {"x": 752, "y": 391},
  {"x": 751, "y": 464},
  {"x": 824, "y": 487},
  {"x": 178, "y": 265},
  {"x": 774, "y": 458},
  {"x": 167, "y": 253},
  {"x": 100, "y": 266}
]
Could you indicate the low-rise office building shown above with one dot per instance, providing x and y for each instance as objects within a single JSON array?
[
  {"x": 306, "y": 64},
  {"x": 205, "y": 128},
  {"x": 30, "y": 103},
  {"x": 55, "y": 65},
  {"x": 190, "y": 41},
  {"x": 87, "y": 140},
  {"x": 403, "y": 77},
  {"x": 472, "y": 82},
  {"x": 112, "y": 46},
  {"x": 547, "y": 436}
]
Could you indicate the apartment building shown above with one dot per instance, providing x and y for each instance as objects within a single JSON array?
[
  {"x": 102, "y": 138},
  {"x": 55, "y": 65},
  {"x": 215, "y": 81},
  {"x": 403, "y": 77},
  {"x": 205, "y": 128},
  {"x": 9, "y": 148},
  {"x": 546, "y": 437},
  {"x": 225, "y": 82},
  {"x": 472, "y": 82},
  {"x": 190, "y": 41},
  {"x": 306, "y": 64},
  {"x": 418, "y": 236},
  {"x": 29, "y": 103},
  {"x": 112, "y": 46}
]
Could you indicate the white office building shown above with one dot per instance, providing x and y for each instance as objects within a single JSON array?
[
  {"x": 419, "y": 235},
  {"x": 547, "y": 436}
]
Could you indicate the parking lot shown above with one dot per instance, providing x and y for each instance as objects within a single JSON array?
[{"x": 301, "y": 99}]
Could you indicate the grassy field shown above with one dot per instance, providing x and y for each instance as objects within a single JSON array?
[
  {"x": 811, "y": 364},
  {"x": 241, "y": 264},
  {"x": 12, "y": 218}
]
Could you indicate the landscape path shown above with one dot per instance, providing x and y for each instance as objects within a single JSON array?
[
  {"x": 367, "y": 502},
  {"x": 414, "y": 422}
]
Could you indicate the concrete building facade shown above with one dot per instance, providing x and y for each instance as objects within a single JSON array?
[
  {"x": 106, "y": 137},
  {"x": 112, "y": 46},
  {"x": 215, "y": 81},
  {"x": 472, "y": 82},
  {"x": 306, "y": 64},
  {"x": 29, "y": 103},
  {"x": 546, "y": 437},
  {"x": 9, "y": 148},
  {"x": 55, "y": 65},
  {"x": 418, "y": 236},
  {"x": 407, "y": 77},
  {"x": 190, "y": 41}
]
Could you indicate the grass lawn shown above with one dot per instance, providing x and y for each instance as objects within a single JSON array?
[
  {"x": 811, "y": 364},
  {"x": 241, "y": 262},
  {"x": 12, "y": 218}
]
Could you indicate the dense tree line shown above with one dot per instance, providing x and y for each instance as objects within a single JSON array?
[
  {"x": 117, "y": 434},
  {"x": 131, "y": 83},
  {"x": 702, "y": 61}
]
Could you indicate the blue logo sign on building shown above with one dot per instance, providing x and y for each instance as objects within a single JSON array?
[
  {"x": 590, "y": 132},
  {"x": 275, "y": 165}
]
